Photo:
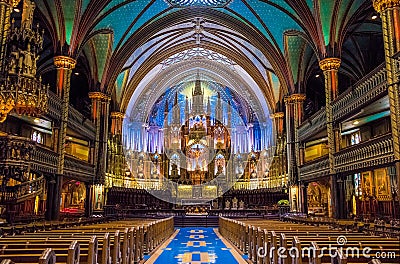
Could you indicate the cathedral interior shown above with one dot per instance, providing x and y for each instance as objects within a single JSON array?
[{"x": 200, "y": 131}]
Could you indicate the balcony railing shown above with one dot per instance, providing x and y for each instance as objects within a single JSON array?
[
  {"x": 24, "y": 191},
  {"x": 54, "y": 104},
  {"x": 313, "y": 125},
  {"x": 76, "y": 121},
  {"x": 15, "y": 156},
  {"x": 368, "y": 89},
  {"x": 44, "y": 160},
  {"x": 79, "y": 123},
  {"x": 78, "y": 169},
  {"x": 315, "y": 169},
  {"x": 374, "y": 152}
]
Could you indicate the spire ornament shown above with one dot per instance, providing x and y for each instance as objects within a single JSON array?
[{"x": 22, "y": 90}]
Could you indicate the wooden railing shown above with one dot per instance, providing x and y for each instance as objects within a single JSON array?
[
  {"x": 44, "y": 159},
  {"x": 376, "y": 151},
  {"x": 315, "y": 169},
  {"x": 78, "y": 168},
  {"x": 23, "y": 191},
  {"x": 76, "y": 120},
  {"x": 313, "y": 125},
  {"x": 368, "y": 89}
]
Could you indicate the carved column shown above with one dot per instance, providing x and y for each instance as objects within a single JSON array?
[
  {"x": 64, "y": 66},
  {"x": 6, "y": 7},
  {"x": 100, "y": 109},
  {"x": 298, "y": 100},
  {"x": 278, "y": 163},
  {"x": 389, "y": 11},
  {"x": 290, "y": 141},
  {"x": 116, "y": 134},
  {"x": 330, "y": 67}
]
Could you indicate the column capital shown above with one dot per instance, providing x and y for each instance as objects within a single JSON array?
[
  {"x": 99, "y": 96},
  {"x": 64, "y": 62},
  {"x": 382, "y": 5},
  {"x": 298, "y": 98},
  {"x": 277, "y": 115},
  {"x": 329, "y": 64},
  {"x": 13, "y": 3},
  {"x": 117, "y": 115}
]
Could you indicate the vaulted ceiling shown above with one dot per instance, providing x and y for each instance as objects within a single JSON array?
[{"x": 277, "y": 42}]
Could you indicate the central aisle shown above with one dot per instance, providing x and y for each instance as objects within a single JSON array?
[{"x": 195, "y": 246}]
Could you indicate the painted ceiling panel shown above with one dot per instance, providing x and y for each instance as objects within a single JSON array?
[
  {"x": 281, "y": 3},
  {"x": 151, "y": 13},
  {"x": 241, "y": 9},
  {"x": 102, "y": 44},
  {"x": 41, "y": 5},
  {"x": 128, "y": 13},
  {"x": 85, "y": 4},
  {"x": 310, "y": 4},
  {"x": 120, "y": 84},
  {"x": 69, "y": 16},
  {"x": 326, "y": 8},
  {"x": 275, "y": 84},
  {"x": 276, "y": 20},
  {"x": 295, "y": 45},
  {"x": 347, "y": 10}
]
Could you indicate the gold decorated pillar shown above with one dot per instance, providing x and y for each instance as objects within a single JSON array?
[
  {"x": 278, "y": 167},
  {"x": 298, "y": 113},
  {"x": 330, "y": 67},
  {"x": 298, "y": 100},
  {"x": 64, "y": 66},
  {"x": 6, "y": 7},
  {"x": 118, "y": 153},
  {"x": 389, "y": 11},
  {"x": 100, "y": 110}
]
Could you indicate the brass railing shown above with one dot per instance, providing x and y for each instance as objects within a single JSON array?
[
  {"x": 368, "y": 89},
  {"x": 315, "y": 169},
  {"x": 313, "y": 125},
  {"x": 376, "y": 151},
  {"x": 78, "y": 169}
]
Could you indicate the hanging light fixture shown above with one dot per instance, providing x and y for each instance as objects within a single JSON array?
[{"x": 21, "y": 90}]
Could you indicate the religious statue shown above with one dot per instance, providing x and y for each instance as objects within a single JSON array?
[
  {"x": 227, "y": 204},
  {"x": 235, "y": 203},
  {"x": 27, "y": 14},
  {"x": 241, "y": 204},
  {"x": 14, "y": 58}
]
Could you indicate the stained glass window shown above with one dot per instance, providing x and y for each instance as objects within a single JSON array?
[
  {"x": 209, "y": 3},
  {"x": 357, "y": 184}
]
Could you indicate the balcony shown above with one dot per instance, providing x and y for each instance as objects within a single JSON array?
[
  {"x": 44, "y": 160},
  {"x": 23, "y": 191},
  {"x": 78, "y": 169},
  {"x": 313, "y": 125},
  {"x": 374, "y": 152},
  {"x": 76, "y": 121},
  {"x": 315, "y": 169},
  {"x": 370, "y": 88},
  {"x": 15, "y": 156}
]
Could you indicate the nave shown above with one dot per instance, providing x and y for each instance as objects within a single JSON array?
[{"x": 159, "y": 241}]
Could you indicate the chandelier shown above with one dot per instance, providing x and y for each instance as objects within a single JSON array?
[{"x": 20, "y": 89}]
